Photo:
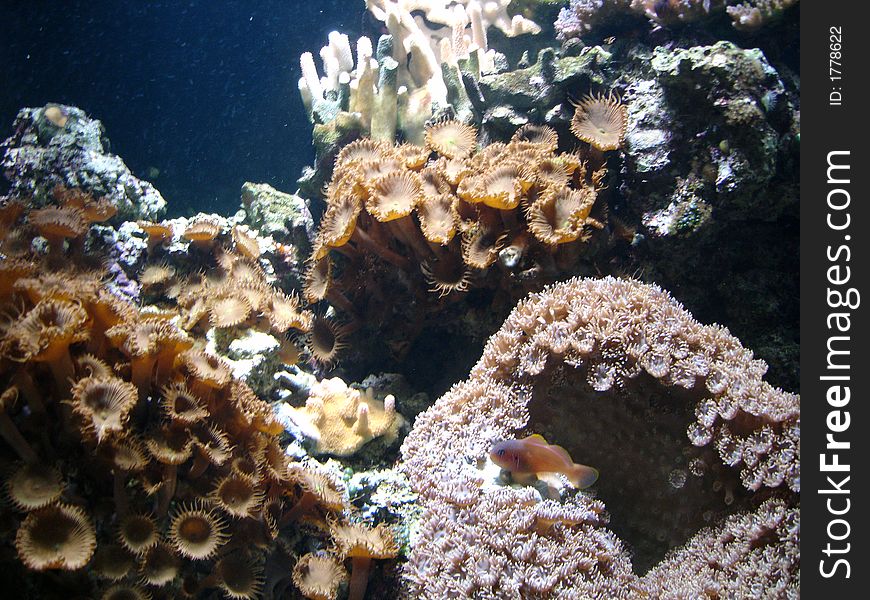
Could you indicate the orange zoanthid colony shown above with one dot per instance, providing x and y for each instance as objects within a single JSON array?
[
  {"x": 133, "y": 462},
  {"x": 433, "y": 221}
]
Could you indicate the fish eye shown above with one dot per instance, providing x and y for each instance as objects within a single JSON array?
[{"x": 500, "y": 452}]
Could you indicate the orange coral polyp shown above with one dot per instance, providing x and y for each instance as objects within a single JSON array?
[
  {"x": 197, "y": 532},
  {"x": 318, "y": 576},
  {"x": 446, "y": 274},
  {"x": 112, "y": 562},
  {"x": 600, "y": 120},
  {"x": 181, "y": 405},
  {"x": 245, "y": 269},
  {"x": 206, "y": 369},
  {"x": 229, "y": 311},
  {"x": 480, "y": 248},
  {"x": 213, "y": 443},
  {"x": 318, "y": 278},
  {"x": 32, "y": 486},
  {"x": 12, "y": 270},
  {"x": 45, "y": 334},
  {"x": 502, "y": 187},
  {"x": 432, "y": 182},
  {"x": 451, "y": 138},
  {"x": 125, "y": 591},
  {"x": 94, "y": 210},
  {"x": 363, "y": 150},
  {"x": 362, "y": 544},
  {"x": 413, "y": 156},
  {"x": 104, "y": 404},
  {"x": 153, "y": 275},
  {"x": 201, "y": 231},
  {"x": 394, "y": 196},
  {"x": 170, "y": 445},
  {"x": 285, "y": 313},
  {"x": 157, "y": 233},
  {"x": 58, "y": 223},
  {"x": 138, "y": 533},
  {"x": 238, "y": 576},
  {"x": 438, "y": 218},
  {"x": 147, "y": 342},
  {"x": 59, "y": 536},
  {"x": 558, "y": 216},
  {"x": 325, "y": 340},
  {"x": 339, "y": 221},
  {"x": 246, "y": 243},
  {"x": 540, "y": 135},
  {"x": 237, "y": 495},
  {"x": 159, "y": 565},
  {"x": 129, "y": 453}
]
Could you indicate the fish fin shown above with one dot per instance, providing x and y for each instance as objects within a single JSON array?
[
  {"x": 561, "y": 453},
  {"x": 552, "y": 479},
  {"x": 537, "y": 439},
  {"x": 523, "y": 478},
  {"x": 581, "y": 476}
]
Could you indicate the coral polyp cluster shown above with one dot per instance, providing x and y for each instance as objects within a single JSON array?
[
  {"x": 427, "y": 222},
  {"x": 619, "y": 373},
  {"x": 227, "y": 289},
  {"x": 131, "y": 452}
]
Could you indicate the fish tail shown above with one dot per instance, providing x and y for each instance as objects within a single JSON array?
[{"x": 581, "y": 476}]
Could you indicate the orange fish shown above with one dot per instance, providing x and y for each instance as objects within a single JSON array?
[{"x": 534, "y": 456}]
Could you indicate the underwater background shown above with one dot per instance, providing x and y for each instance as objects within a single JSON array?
[
  {"x": 400, "y": 298},
  {"x": 191, "y": 89}
]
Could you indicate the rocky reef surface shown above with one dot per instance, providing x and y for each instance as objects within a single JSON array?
[{"x": 61, "y": 145}]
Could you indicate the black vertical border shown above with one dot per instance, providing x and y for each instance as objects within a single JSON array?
[{"x": 825, "y": 128}]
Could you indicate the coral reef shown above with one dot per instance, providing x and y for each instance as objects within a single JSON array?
[
  {"x": 136, "y": 464},
  {"x": 60, "y": 145},
  {"x": 341, "y": 420},
  {"x": 432, "y": 222},
  {"x": 583, "y": 17},
  {"x": 237, "y": 305},
  {"x": 682, "y": 186},
  {"x": 166, "y": 385},
  {"x": 710, "y": 157},
  {"x": 715, "y": 455},
  {"x": 424, "y": 67}
]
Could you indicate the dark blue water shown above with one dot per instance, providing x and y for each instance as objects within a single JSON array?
[{"x": 203, "y": 90}]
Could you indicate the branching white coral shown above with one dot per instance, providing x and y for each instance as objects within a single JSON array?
[{"x": 428, "y": 36}]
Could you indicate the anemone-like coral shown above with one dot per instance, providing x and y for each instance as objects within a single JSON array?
[
  {"x": 33, "y": 486},
  {"x": 363, "y": 544},
  {"x": 59, "y": 536},
  {"x": 197, "y": 532},
  {"x": 451, "y": 138},
  {"x": 138, "y": 533},
  {"x": 601, "y": 121},
  {"x": 126, "y": 442},
  {"x": 715, "y": 454},
  {"x": 318, "y": 577},
  {"x": 341, "y": 419},
  {"x": 104, "y": 404},
  {"x": 397, "y": 228}
]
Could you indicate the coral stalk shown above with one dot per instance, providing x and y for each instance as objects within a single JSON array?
[
  {"x": 359, "y": 577},
  {"x": 10, "y": 432}
]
